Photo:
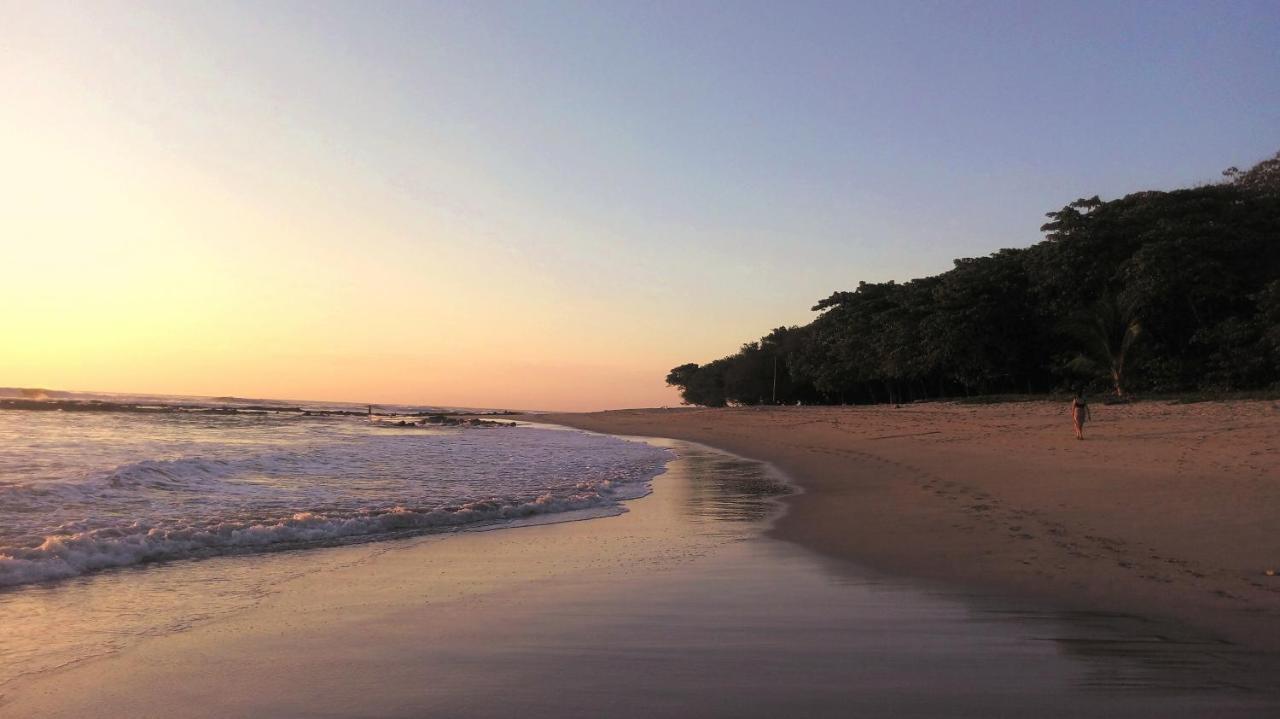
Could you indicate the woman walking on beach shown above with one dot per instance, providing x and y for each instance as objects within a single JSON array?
[{"x": 1079, "y": 413}]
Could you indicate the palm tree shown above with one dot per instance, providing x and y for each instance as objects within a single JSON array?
[{"x": 1107, "y": 334}]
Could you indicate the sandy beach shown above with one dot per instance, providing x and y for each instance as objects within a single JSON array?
[
  {"x": 681, "y": 607},
  {"x": 1164, "y": 510}
]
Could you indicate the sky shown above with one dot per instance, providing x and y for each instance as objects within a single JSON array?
[{"x": 549, "y": 205}]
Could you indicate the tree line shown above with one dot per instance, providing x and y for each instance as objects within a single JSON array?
[{"x": 1153, "y": 292}]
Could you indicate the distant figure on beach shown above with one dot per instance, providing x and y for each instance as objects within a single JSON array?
[{"x": 1079, "y": 413}]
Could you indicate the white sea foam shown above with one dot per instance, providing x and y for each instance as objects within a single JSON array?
[
  {"x": 67, "y": 555},
  {"x": 221, "y": 485}
]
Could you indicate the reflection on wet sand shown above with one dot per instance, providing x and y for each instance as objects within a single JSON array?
[
  {"x": 1116, "y": 652},
  {"x": 1122, "y": 652},
  {"x": 730, "y": 489}
]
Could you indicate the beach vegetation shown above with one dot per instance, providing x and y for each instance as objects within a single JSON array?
[{"x": 1156, "y": 292}]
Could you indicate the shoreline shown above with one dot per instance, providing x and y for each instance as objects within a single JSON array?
[
  {"x": 683, "y": 606},
  {"x": 1163, "y": 511}
]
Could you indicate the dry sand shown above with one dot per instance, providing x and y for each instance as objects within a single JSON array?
[{"x": 1165, "y": 510}]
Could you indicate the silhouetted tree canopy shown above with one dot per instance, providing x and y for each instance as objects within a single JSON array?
[{"x": 1155, "y": 291}]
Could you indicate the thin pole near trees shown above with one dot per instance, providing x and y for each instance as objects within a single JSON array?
[{"x": 775, "y": 379}]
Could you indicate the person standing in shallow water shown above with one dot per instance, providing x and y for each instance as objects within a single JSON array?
[{"x": 1079, "y": 413}]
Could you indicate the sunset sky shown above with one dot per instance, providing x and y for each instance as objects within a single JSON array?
[{"x": 548, "y": 205}]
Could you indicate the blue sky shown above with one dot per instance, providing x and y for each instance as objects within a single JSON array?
[
  {"x": 887, "y": 137},
  {"x": 638, "y": 184}
]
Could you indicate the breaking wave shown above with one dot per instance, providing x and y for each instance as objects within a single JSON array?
[
  {"x": 73, "y": 554},
  {"x": 358, "y": 485}
]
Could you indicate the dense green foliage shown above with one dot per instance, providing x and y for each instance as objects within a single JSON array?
[{"x": 1156, "y": 291}]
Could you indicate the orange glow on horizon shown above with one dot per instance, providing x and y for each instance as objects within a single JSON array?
[{"x": 168, "y": 227}]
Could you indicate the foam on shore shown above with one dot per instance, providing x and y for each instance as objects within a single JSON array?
[{"x": 232, "y": 485}]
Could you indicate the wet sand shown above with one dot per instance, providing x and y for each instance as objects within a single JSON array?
[
  {"x": 681, "y": 607},
  {"x": 1165, "y": 510}
]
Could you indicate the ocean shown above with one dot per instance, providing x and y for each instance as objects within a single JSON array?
[
  {"x": 86, "y": 491},
  {"x": 125, "y": 517}
]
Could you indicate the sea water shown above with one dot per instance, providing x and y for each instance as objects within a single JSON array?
[
  {"x": 117, "y": 525},
  {"x": 82, "y": 492}
]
